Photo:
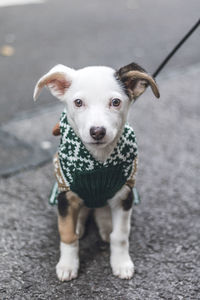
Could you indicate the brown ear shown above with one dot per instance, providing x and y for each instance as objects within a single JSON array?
[
  {"x": 135, "y": 81},
  {"x": 58, "y": 80}
]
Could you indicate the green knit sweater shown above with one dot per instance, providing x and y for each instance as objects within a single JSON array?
[{"x": 94, "y": 181}]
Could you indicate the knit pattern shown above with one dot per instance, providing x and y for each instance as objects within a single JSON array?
[{"x": 95, "y": 181}]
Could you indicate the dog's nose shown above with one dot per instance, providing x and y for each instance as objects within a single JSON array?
[{"x": 97, "y": 133}]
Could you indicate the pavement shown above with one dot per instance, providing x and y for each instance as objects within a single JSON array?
[
  {"x": 165, "y": 235},
  {"x": 27, "y": 141}
]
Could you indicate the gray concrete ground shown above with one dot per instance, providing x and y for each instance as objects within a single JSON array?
[{"x": 164, "y": 241}]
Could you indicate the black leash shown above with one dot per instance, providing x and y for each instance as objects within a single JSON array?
[{"x": 174, "y": 50}]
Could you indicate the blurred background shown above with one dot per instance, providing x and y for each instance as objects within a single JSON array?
[
  {"x": 79, "y": 33},
  {"x": 35, "y": 35}
]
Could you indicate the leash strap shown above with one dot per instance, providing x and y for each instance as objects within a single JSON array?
[{"x": 175, "y": 49}]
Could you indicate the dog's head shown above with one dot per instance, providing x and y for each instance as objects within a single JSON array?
[{"x": 97, "y": 99}]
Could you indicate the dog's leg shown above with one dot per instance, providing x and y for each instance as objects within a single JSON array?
[
  {"x": 121, "y": 263},
  {"x": 82, "y": 217},
  {"x": 68, "y": 208},
  {"x": 104, "y": 222}
]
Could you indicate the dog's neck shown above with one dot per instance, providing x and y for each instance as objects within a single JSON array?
[{"x": 98, "y": 152}]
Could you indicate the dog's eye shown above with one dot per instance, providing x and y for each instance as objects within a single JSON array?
[
  {"x": 115, "y": 102},
  {"x": 78, "y": 102}
]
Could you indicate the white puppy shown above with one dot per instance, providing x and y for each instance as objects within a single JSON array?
[{"x": 97, "y": 101}]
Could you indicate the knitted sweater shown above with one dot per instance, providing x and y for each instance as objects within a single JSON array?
[{"x": 94, "y": 181}]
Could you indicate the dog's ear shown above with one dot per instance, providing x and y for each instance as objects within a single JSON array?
[
  {"x": 58, "y": 80},
  {"x": 135, "y": 80}
]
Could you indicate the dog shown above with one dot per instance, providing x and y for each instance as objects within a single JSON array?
[{"x": 97, "y": 100}]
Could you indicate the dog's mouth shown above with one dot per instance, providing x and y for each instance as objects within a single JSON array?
[{"x": 97, "y": 143}]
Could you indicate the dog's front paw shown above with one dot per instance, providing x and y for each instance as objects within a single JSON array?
[
  {"x": 67, "y": 267},
  {"x": 122, "y": 267},
  {"x": 66, "y": 272}
]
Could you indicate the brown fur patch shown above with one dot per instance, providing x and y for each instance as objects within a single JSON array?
[
  {"x": 135, "y": 80},
  {"x": 60, "y": 179},
  {"x": 137, "y": 76},
  {"x": 133, "y": 66},
  {"x": 67, "y": 230},
  {"x": 56, "y": 129},
  {"x": 56, "y": 81},
  {"x": 128, "y": 202},
  {"x": 67, "y": 224}
]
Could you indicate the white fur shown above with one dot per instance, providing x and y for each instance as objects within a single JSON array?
[
  {"x": 121, "y": 263},
  {"x": 104, "y": 222},
  {"x": 67, "y": 267},
  {"x": 96, "y": 87}
]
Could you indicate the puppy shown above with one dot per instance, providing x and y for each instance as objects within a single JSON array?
[{"x": 96, "y": 163}]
